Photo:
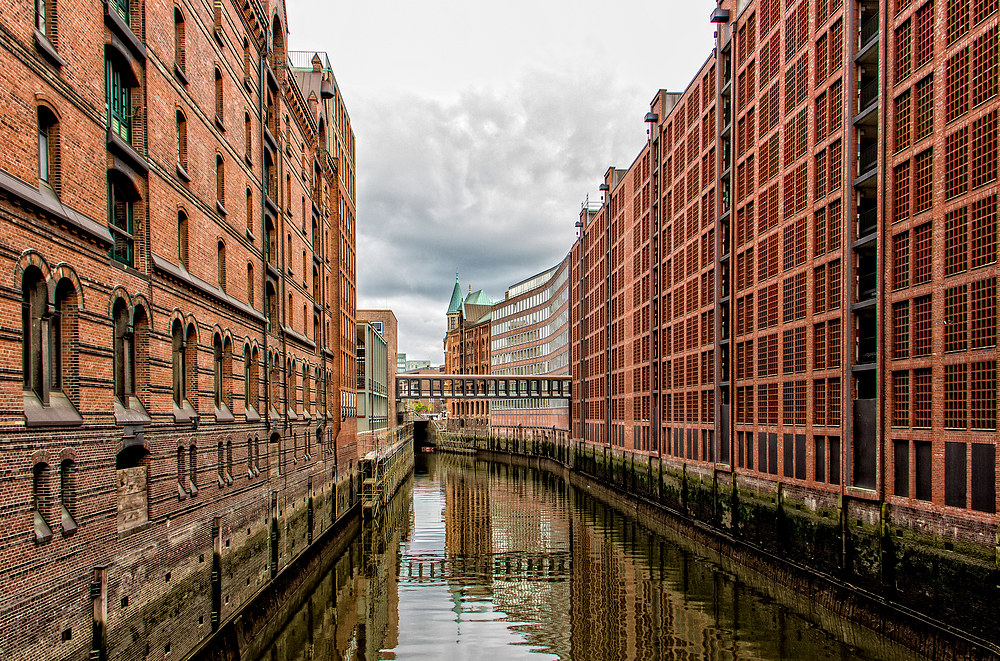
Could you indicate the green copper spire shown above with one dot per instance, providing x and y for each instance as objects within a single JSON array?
[{"x": 456, "y": 298}]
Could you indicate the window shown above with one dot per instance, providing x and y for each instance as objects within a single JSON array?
[
  {"x": 45, "y": 19},
  {"x": 248, "y": 136},
  {"x": 179, "y": 45},
  {"x": 219, "y": 105},
  {"x": 34, "y": 305},
  {"x": 221, "y": 264},
  {"x": 182, "y": 147},
  {"x": 118, "y": 97},
  {"x": 178, "y": 359},
  {"x": 67, "y": 495},
  {"x": 121, "y": 209},
  {"x": 41, "y": 501},
  {"x": 124, "y": 354},
  {"x": 220, "y": 180},
  {"x": 48, "y": 149},
  {"x": 250, "y": 284},
  {"x": 182, "y": 239},
  {"x": 192, "y": 469}
]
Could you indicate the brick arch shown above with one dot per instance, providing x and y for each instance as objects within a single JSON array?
[
  {"x": 42, "y": 99},
  {"x": 28, "y": 258},
  {"x": 40, "y": 457},
  {"x": 119, "y": 293},
  {"x": 67, "y": 454},
  {"x": 176, "y": 315},
  {"x": 190, "y": 322},
  {"x": 139, "y": 301}
]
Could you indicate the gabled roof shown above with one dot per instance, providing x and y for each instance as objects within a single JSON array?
[
  {"x": 456, "y": 298},
  {"x": 477, "y": 298}
]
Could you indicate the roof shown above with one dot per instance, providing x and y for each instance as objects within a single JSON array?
[{"x": 456, "y": 298}]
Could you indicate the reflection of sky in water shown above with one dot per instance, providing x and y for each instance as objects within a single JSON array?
[{"x": 438, "y": 620}]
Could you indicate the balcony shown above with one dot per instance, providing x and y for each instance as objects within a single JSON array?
[
  {"x": 867, "y": 50},
  {"x": 867, "y": 162},
  {"x": 867, "y": 102},
  {"x": 867, "y": 275},
  {"x": 867, "y": 218},
  {"x": 867, "y": 339}
]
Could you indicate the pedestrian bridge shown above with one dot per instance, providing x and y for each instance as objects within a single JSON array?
[{"x": 482, "y": 386}]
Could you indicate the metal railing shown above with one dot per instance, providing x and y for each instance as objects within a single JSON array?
[
  {"x": 868, "y": 158},
  {"x": 869, "y": 30},
  {"x": 867, "y": 221},
  {"x": 869, "y": 94}
]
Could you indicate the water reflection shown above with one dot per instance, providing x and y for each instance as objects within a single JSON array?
[{"x": 479, "y": 561}]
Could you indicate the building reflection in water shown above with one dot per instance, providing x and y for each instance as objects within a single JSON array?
[{"x": 480, "y": 561}]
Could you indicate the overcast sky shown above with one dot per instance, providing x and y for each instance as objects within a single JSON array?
[{"x": 481, "y": 128}]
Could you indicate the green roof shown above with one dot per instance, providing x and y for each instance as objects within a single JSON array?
[
  {"x": 456, "y": 298},
  {"x": 477, "y": 298}
]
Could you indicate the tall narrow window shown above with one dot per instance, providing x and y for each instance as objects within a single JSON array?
[
  {"x": 221, "y": 250},
  {"x": 48, "y": 148},
  {"x": 247, "y": 377},
  {"x": 247, "y": 63},
  {"x": 122, "y": 7},
  {"x": 124, "y": 368},
  {"x": 248, "y": 135},
  {"x": 250, "y": 284},
  {"x": 219, "y": 112},
  {"x": 182, "y": 141},
  {"x": 193, "y": 470},
  {"x": 179, "y": 41},
  {"x": 217, "y": 370},
  {"x": 178, "y": 363},
  {"x": 249, "y": 211},
  {"x": 220, "y": 180},
  {"x": 182, "y": 239},
  {"x": 34, "y": 303},
  {"x": 40, "y": 501},
  {"x": 67, "y": 495}
]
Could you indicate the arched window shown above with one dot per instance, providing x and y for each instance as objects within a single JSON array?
[
  {"x": 249, "y": 211},
  {"x": 220, "y": 459},
  {"x": 182, "y": 141},
  {"x": 217, "y": 369},
  {"x": 247, "y": 377},
  {"x": 122, "y": 199},
  {"x": 193, "y": 470},
  {"x": 293, "y": 387},
  {"x": 278, "y": 42},
  {"x": 140, "y": 356},
  {"x": 178, "y": 358},
  {"x": 250, "y": 458},
  {"x": 67, "y": 495},
  {"x": 250, "y": 284},
  {"x": 248, "y": 136},
  {"x": 247, "y": 62},
  {"x": 191, "y": 367},
  {"x": 124, "y": 368},
  {"x": 181, "y": 472},
  {"x": 229, "y": 462},
  {"x": 270, "y": 176},
  {"x": 182, "y": 240},
  {"x": 219, "y": 105},
  {"x": 254, "y": 383},
  {"x": 220, "y": 180},
  {"x": 221, "y": 267},
  {"x": 41, "y": 501},
  {"x": 306, "y": 391},
  {"x": 179, "y": 41},
  {"x": 34, "y": 306},
  {"x": 48, "y": 149}
]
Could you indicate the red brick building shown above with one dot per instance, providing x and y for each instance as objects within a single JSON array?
[
  {"x": 177, "y": 218},
  {"x": 792, "y": 289},
  {"x": 467, "y": 351}
]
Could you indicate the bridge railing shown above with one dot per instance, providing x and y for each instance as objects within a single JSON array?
[{"x": 480, "y": 386}]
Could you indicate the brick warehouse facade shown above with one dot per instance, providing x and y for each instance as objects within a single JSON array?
[
  {"x": 177, "y": 406},
  {"x": 789, "y": 298}
]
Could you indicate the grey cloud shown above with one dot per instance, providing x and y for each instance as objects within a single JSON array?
[{"x": 489, "y": 184}]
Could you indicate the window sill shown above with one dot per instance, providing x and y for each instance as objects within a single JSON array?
[
  {"x": 128, "y": 152},
  {"x": 219, "y": 124},
  {"x": 60, "y": 412},
  {"x": 185, "y": 413},
  {"x": 183, "y": 173},
  {"x": 46, "y": 200},
  {"x": 223, "y": 414},
  {"x": 46, "y": 48},
  {"x": 180, "y": 75},
  {"x": 132, "y": 414},
  {"x": 123, "y": 31},
  {"x": 221, "y": 209},
  {"x": 251, "y": 414},
  {"x": 249, "y": 160}
]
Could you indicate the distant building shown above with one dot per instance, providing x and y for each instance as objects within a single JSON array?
[
  {"x": 400, "y": 362},
  {"x": 384, "y": 321},
  {"x": 417, "y": 365},
  {"x": 530, "y": 335},
  {"x": 467, "y": 351},
  {"x": 373, "y": 404}
]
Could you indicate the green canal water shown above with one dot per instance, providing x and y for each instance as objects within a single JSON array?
[{"x": 478, "y": 560}]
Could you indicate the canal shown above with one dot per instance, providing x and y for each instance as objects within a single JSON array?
[{"x": 479, "y": 560}]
